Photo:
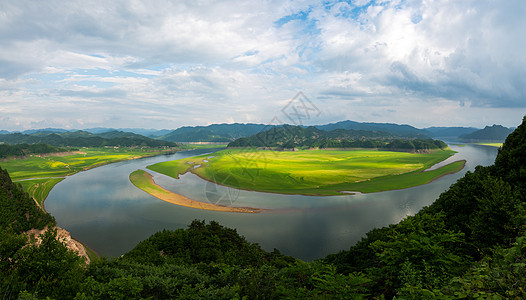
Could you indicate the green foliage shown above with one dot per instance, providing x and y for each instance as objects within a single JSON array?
[
  {"x": 200, "y": 243},
  {"x": 18, "y": 211},
  {"x": 501, "y": 275},
  {"x": 49, "y": 269},
  {"x": 510, "y": 164},
  {"x": 211, "y": 261},
  {"x": 480, "y": 203},
  {"x": 419, "y": 251}
]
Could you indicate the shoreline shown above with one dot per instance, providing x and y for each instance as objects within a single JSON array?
[
  {"x": 144, "y": 181},
  {"x": 89, "y": 168},
  {"x": 342, "y": 191}
]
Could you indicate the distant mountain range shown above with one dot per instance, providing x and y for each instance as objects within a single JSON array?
[
  {"x": 495, "y": 133},
  {"x": 83, "y": 139},
  {"x": 229, "y": 132},
  {"x": 96, "y": 130},
  {"x": 449, "y": 132},
  {"x": 396, "y": 129}
]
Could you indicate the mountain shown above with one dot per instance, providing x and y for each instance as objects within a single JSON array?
[
  {"x": 396, "y": 129},
  {"x": 451, "y": 132},
  {"x": 84, "y": 139},
  {"x": 46, "y": 130},
  {"x": 141, "y": 131},
  {"x": 289, "y": 137},
  {"x": 214, "y": 132},
  {"x": 230, "y": 132},
  {"x": 98, "y": 130},
  {"x": 496, "y": 133}
]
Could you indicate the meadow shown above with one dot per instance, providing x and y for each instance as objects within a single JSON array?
[
  {"x": 313, "y": 172},
  {"x": 39, "y": 173}
]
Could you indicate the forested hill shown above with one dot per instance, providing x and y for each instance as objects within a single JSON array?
[
  {"x": 393, "y": 129},
  {"x": 26, "y": 149},
  {"x": 289, "y": 137},
  {"x": 495, "y": 133},
  {"x": 470, "y": 243},
  {"x": 84, "y": 139},
  {"x": 213, "y": 133},
  {"x": 18, "y": 211}
]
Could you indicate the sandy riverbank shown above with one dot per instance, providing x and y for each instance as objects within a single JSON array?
[{"x": 145, "y": 182}]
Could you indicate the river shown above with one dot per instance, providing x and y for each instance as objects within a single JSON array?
[{"x": 101, "y": 208}]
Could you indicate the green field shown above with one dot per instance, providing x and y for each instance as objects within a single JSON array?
[
  {"x": 313, "y": 172},
  {"x": 38, "y": 174},
  {"x": 491, "y": 144},
  {"x": 39, "y": 188}
]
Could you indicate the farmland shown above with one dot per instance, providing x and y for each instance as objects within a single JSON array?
[
  {"x": 39, "y": 173},
  {"x": 313, "y": 172}
]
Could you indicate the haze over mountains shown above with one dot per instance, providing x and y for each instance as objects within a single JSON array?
[{"x": 229, "y": 132}]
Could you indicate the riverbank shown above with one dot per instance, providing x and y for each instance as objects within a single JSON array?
[
  {"x": 38, "y": 174},
  {"x": 313, "y": 172},
  {"x": 144, "y": 181}
]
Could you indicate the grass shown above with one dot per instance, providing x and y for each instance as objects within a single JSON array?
[
  {"x": 143, "y": 180},
  {"x": 313, "y": 172},
  {"x": 38, "y": 174},
  {"x": 39, "y": 188}
]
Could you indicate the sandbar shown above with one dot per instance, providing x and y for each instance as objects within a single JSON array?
[{"x": 145, "y": 182}]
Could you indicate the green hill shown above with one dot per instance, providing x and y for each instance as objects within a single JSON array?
[
  {"x": 495, "y": 133},
  {"x": 84, "y": 139},
  {"x": 290, "y": 137},
  {"x": 394, "y": 129},
  {"x": 213, "y": 133}
]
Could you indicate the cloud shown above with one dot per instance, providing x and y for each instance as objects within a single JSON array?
[
  {"x": 433, "y": 49},
  {"x": 173, "y": 63}
]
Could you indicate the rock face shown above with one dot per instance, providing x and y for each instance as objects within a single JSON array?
[{"x": 63, "y": 236}]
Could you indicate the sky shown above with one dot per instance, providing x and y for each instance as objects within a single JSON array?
[{"x": 166, "y": 64}]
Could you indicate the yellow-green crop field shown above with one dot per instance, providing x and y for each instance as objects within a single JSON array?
[
  {"x": 491, "y": 144},
  {"x": 38, "y": 174},
  {"x": 313, "y": 172}
]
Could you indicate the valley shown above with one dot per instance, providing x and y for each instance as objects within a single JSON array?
[{"x": 39, "y": 173}]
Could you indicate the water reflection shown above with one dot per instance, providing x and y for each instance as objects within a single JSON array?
[{"x": 101, "y": 208}]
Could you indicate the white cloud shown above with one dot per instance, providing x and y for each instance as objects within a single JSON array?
[{"x": 174, "y": 63}]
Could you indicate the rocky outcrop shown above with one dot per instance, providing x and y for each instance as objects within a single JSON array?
[{"x": 63, "y": 236}]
